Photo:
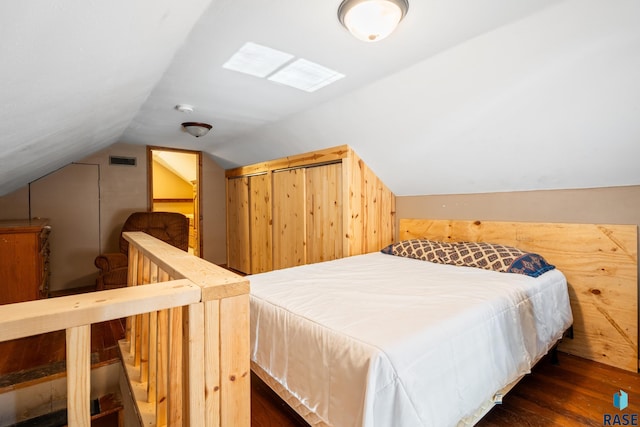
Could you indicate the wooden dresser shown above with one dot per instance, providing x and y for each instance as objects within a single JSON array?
[{"x": 24, "y": 260}]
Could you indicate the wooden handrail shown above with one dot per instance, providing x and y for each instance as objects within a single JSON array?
[
  {"x": 193, "y": 363},
  {"x": 75, "y": 314},
  {"x": 29, "y": 318},
  {"x": 187, "y": 337}
]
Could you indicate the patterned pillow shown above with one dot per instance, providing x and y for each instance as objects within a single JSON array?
[
  {"x": 530, "y": 264},
  {"x": 490, "y": 256},
  {"x": 426, "y": 250}
]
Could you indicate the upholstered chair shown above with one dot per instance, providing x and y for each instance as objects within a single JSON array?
[{"x": 169, "y": 227}]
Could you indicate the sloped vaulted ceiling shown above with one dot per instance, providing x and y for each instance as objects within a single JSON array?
[
  {"x": 467, "y": 96},
  {"x": 74, "y": 73},
  {"x": 551, "y": 101}
]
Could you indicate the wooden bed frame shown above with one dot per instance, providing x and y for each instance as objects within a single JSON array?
[{"x": 599, "y": 262}]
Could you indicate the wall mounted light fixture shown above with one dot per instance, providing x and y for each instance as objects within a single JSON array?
[
  {"x": 197, "y": 129},
  {"x": 372, "y": 20}
]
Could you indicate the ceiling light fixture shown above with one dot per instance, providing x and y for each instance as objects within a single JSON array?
[
  {"x": 372, "y": 20},
  {"x": 196, "y": 129}
]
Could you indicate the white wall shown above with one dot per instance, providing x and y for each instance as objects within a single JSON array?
[
  {"x": 123, "y": 190},
  {"x": 548, "y": 102}
]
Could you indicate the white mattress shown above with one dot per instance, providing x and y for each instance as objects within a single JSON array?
[{"x": 380, "y": 340}]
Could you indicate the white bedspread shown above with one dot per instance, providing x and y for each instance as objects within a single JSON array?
[{"x": 380, "y": 340}]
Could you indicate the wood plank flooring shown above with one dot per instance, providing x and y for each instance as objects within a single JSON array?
[{"x": 575, "y": 392}]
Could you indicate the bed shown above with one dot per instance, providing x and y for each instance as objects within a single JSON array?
[{"x": 386, "y": 340}]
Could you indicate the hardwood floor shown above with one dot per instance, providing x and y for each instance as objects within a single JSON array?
[
  {"x": 575, "y": 392},
  {"x": 268, "y": 410}
]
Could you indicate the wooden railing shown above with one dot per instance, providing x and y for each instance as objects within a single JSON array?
[
  {"x": 187, "y": 341},
  {"x": 191, "y": 363}
]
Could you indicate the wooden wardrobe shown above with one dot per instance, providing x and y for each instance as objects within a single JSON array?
[{"x": 303, "y": 209}]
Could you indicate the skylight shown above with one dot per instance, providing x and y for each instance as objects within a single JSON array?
[
  {"x": 276, "y": 66},
  {"x": 257, "y": 60},
  {"x": 305, "y": 75}
]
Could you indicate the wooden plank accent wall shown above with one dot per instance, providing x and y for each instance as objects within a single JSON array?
[
  {"x": 238, "y": 250},
  {"x": 324, "y": 205},
  {"x": 599, "y": 261},
  {"x": 371, "y": 208},
  {"x": 353, "y": 226},
  {"x": 328, "y": 155},
  {"x": 324, "y": 213},
  {"x": 261, "y": 228},
  {"x": 289, "y": 238}
]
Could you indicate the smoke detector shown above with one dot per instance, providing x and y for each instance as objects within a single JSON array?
[{"x": 184, "y": 108}]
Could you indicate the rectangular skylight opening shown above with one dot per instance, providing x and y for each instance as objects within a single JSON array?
[
  {"x": 305, "y": 75},
  {"x": 257, "y": 60}
]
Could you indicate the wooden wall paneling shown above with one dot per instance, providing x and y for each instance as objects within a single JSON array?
[
  {"x": 380, "y": 213},
  {"x": 289, "y": 218},
  {"x": 600, "y": 263},
  {"x": 387, "y": 217},
  {"x": 354, "y": 215},
  {"x": 367, "y": 218},
  {"x": 328, "y": 155},
  {"x": 346, "y": 206},
  {"x": 372, "y": 211},
  {"x": 324, "y": 212},
  {"x": 261, "y": 229},
  {"x": 238, "y": 235}
]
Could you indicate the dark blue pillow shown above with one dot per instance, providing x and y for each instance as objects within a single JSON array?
[{"x": 530, "y": 264}]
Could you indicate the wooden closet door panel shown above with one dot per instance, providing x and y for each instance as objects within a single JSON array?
[
  {"x": 261, "y": 221},
  {"x": 324, "y": 213},
  {"x": 289, "y": 218},
  {"x": 238, "y": 224}
]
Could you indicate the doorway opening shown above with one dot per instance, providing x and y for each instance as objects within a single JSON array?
[{"x": 174, "y": 186}]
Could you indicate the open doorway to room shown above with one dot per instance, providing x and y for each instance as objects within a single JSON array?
[{"x": 174, "y": 186}]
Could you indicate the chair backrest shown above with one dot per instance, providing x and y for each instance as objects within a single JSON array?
[{"x": 170, "y": 227}]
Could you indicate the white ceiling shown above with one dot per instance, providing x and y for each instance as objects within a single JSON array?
[{"x": 466, "y": 96}]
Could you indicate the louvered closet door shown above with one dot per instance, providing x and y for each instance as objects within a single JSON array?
[
  {"x": 324, "y": 213},
  {"x": 289, "y": 218},
  {"x": 238, "y": 248}
]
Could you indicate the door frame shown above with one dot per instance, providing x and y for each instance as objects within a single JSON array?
[{"x": 198, "y": 154}]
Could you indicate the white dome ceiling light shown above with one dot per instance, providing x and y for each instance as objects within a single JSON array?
[
  {"x": 196, "y": 129},
  {"x": 372, "y": 20}
]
